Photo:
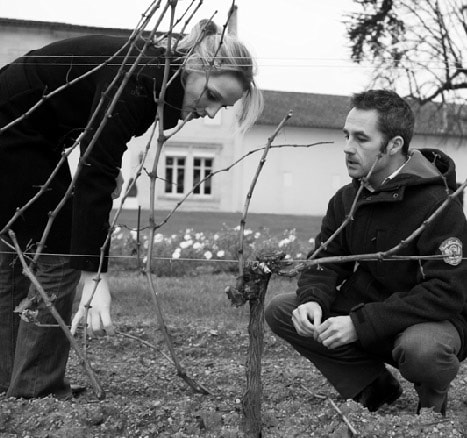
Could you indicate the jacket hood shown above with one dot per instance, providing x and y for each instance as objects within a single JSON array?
[{"x": 427, "y": 166}]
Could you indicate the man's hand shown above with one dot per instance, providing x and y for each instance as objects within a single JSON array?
[
  {"x": 98, "y": 321},
  {"x": 306, "y": 319},
  {"x": 337, "y": 331}
]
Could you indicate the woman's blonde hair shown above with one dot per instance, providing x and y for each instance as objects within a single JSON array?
[{"x": 208, "y": 50}]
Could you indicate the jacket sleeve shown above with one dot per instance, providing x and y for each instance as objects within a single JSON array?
[
  {"x": 92, "y": 198},
  {"x": 438, "y": 295},
  {"x": 318, "y": 283}
]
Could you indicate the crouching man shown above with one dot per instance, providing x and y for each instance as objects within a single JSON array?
[{"x": 350, "y": 319}]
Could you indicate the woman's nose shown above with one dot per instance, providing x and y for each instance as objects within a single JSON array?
[{"x": 212, "y": 111}]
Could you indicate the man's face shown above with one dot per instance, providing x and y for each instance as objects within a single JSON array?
[{"x": 363, "y": 144}]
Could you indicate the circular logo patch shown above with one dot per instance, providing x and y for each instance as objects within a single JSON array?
[{"x": 452, "y": 251}]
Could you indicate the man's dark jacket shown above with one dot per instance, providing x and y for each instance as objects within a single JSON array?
[
  {"x": 385, "y": 297},
  {"x": 30, "y": 150}
]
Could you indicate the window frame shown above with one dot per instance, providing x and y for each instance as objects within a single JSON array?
[{"x": 191, "y": 151}]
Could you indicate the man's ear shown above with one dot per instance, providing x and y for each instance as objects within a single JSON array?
[{"x": 395, "y": 145}]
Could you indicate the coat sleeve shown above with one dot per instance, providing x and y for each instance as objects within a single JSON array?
[
  {"x": 318, "y": 283},
  {"x": 92, "y": 198},
  {"x": 438, "y": 295}
]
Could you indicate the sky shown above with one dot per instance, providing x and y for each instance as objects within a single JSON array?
[{"x": 300, "y": 45}]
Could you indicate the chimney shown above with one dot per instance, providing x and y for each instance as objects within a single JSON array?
[{"x": 232, "y": 26}]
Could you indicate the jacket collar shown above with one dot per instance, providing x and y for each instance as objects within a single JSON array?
[{"x": 426, "y": 166}]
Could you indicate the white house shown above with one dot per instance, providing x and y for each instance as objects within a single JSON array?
[{"x": 294, "y": 180}]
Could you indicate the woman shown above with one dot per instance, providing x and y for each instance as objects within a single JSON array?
[{"x": 216, "y": 72}]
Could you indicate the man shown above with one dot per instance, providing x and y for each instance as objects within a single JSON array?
[{"x": 349, "y": 319}]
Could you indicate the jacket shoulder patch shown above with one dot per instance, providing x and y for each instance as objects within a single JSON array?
[{"x": 451, "y": 249}]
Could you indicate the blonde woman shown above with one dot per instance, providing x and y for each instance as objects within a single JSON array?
[{"x": 216, "y": 72}]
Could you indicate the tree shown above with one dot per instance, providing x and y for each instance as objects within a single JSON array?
[{"x": 417, "y": 46}]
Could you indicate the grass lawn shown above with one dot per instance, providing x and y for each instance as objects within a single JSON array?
[{"x": 306, "y": 226}]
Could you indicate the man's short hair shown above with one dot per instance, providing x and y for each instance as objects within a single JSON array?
[{"x": 395, "y": 117}]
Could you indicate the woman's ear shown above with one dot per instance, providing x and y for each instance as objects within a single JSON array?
[{"x": 395, "y": 145}]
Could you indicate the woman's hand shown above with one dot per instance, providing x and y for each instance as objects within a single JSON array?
[
  {"x": 98, "y": 318},
  {"x": 118, "y": 186}
]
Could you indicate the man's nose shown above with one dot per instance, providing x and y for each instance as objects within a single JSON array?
[{"x": 349, "y": 147}]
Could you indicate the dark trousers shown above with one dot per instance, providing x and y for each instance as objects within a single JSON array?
[
  {"x": 425, "y": 354},
  {"x": 33, "y": 358}
]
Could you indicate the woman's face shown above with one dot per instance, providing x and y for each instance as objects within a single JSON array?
[{"x": 206, "y": 94}]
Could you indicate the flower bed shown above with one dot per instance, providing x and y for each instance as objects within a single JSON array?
[{"x": 189, "y": 252}]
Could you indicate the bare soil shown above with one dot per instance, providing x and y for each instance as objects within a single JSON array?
[{"x": 145, "y": 398}]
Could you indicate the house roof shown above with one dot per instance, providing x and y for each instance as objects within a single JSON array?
[
  {"x": 71, "y": 28},
  {"x": 313, "y": 110},
  {"x": 310, "y": 110},
  {"x": 53, "y": 25}
]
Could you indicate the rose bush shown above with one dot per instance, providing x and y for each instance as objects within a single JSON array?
[{"x": 190, "y": 252}]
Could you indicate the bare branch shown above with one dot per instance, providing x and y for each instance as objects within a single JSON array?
[{"x": 252, "y": 187}]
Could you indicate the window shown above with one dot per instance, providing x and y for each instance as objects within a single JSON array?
[
  {"x": 202, "y": 168},
  {"x": 187, "y": 172},
  {"x": 175, "y": 174}
]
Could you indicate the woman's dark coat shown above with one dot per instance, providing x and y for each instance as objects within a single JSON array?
[
  {"x": 30, "y": 150},
  {"x": 384, "y": 298}
]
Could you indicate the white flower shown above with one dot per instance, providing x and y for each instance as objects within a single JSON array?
[
  {"x": 247, "y": 232},
  {"x": 198, "y": 245},
  {"x": 283, "y": 242},
  {"x": 220, "y": 253},
  {"x": 117, "y": 229},
  {"x": 133, "y": 234},
  {"x": 199, "y": 236},
  {"x": 288, "y": 257},
  {"x": 145, "y": 259},
  {"x": 188, "y": 230},
  {"x": 173, "y": 236},
  {"x": 187, "y": 236},
  {"x": 292, "y": 237},
  {"x": 257, "y": 235},
  {"x": 176, "y": 253},
  {"x": 299, "y": 255},
  {"x": 208, "y": 255},
  {"x": 158, "y": 238},
  {"x": 312, "y": 241},
  {"x": 237, "y": 228},
  {"x": 186, "y": 244},
  {"x": 216, "y": 236}
]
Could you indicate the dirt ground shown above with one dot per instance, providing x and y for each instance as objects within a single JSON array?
[{"x": 145, "y": 398}]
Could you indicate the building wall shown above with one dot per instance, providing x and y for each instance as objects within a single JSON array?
[
  {"x": 198, "y": 138},
  {"x": 295, "y": 180},
  {"x": 302, "y": 180}
]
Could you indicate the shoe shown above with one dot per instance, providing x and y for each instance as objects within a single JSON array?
[
  {"x": 76, "y": 390},
  {"x": 385, "y": 389},
  {"x": 442, "y": 410}
]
